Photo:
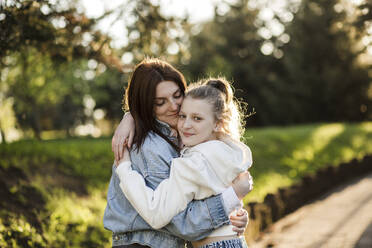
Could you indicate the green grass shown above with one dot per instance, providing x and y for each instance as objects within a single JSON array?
[
  {"x": 281, "y": 156},
  {"x": 72, "y": 177}
]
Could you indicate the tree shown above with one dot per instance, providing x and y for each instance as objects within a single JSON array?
[
  {"x": 46, "y": 53},
  {"x": 153, "y": 34},
  {"x": 322, "y": 66},
  {"x": 45, "y": 97},
  {"x": 229, "y": 45},
  {"x": 62, "y": 32},
  {"x": 316, "y": 76},
  {"x": 107, "y": 89}
]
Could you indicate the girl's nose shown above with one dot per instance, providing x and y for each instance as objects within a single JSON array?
[{"x": 186, "y": 123}]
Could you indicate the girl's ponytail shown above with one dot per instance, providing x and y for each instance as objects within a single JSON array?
[{"x": 222, "y": 85}]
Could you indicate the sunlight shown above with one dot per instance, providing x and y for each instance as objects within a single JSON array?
[
  {"x": 318, "y": 141},
  {"x": 267, "y": 48},
  {"x": 357, "y": 2},
  {"x": 196, "y": 11},
  {"x": 8, "y": 121},
  {"x": 272, "y": 181},
  {"x": 88, "y": 129},
  {"x": 367, "y": 126}
]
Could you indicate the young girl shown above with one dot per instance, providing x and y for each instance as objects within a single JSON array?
[{"x": 209, "y": 126}]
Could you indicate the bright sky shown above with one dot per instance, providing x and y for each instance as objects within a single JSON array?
[{"x": 198, "y": 10}]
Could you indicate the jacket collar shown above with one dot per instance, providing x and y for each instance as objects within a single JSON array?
[{"x": 164, "y": 128}]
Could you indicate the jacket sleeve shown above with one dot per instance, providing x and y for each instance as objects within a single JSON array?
[{"x": 190, "y": 178}]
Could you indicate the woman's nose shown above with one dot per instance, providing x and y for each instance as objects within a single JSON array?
[{"x": 174, "y": 106}]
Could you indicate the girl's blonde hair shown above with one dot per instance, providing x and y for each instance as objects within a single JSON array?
[{"x": 226, "y": 108}]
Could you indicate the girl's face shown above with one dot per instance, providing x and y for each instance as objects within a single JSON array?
[
  {"x": 196, "y": 122},
  {"x": 168, "y": 100}
]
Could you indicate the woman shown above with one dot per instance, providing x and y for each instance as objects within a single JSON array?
[
  {"x": 211, "y": 158},
  {"x": 156, "y": 83}
]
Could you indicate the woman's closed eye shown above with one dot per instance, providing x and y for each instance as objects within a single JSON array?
[
  {"x": 178, "y": 94},
  {"x": 159, "y": 102}
]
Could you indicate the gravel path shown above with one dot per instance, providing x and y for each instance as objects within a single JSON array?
[{"x": 340, "y": 219}]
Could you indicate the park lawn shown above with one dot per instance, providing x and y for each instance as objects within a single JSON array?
[
  {"x": 283, "y": 155},
  {"x": 70, "y": 178}
]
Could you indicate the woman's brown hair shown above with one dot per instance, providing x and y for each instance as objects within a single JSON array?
[{"x": 141, "y": 92}]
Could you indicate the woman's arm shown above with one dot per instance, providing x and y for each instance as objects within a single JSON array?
[
  {"x": 157, "y": 207},
  {"x": 123, "y": 136}
]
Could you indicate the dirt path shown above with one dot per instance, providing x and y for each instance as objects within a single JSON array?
[{"x": 340, "y": 219}]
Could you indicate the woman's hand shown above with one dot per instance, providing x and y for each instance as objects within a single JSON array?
[
  {"x": 239, "y": 220},
  {"x": 126, "y": 157},
  {"x": 123, "y": 136},
  {"x": 242, "y": 184}
]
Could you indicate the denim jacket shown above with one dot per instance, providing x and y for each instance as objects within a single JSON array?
[{"x": 153, "y": 162}]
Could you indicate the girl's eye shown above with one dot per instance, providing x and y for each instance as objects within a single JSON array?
[
  {"x": 182, "y": 116},
  {"x": 197, "y": 118}
]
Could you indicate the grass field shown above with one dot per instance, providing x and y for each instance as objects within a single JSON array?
[
  {"x": 52, "y": 193},
  {"x": 281, "y": 156}
]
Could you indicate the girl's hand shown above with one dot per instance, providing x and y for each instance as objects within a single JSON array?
[
  {"x": 239, "y": 220},
  {"x": 242, "y": 184},
  {"x": 123, "y": 136}
]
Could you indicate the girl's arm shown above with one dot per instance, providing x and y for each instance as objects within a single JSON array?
[
  {"x": 191, "y": 177},
  {"x": 158, "y": 207}
]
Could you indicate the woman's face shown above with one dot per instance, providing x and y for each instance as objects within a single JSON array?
[{"x": 168, "y": 101}]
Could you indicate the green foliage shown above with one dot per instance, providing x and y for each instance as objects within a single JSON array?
[
  {"x": 52, "y": 56},
  {"x": 316, "y": 77},
  {"x": 54, "y": 28},
  {"x": 72, "y": 158},
  {"x": 19, "y": 233},
  {"x": 57, "y": 193},
  {"x": 153, "y": 34},
  {"x": 55, "y": 190},
  {"x": 281, "y": 156},
  {"x": 107, "y": 89},
  {"x": 323, "y": 72},
  {"x": 46, "y": 96},
  {"x": 44, "y": 51},
  {"x": 76, "y": 221}
]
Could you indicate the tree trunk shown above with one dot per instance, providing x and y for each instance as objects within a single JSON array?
[
  {"x": 68, "y": 132},
  {"x": 36, "y": 126},
  {"x": 2, "y": 133}
]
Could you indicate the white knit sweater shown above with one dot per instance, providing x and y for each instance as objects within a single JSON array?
[{"x": 201, "y": 171}]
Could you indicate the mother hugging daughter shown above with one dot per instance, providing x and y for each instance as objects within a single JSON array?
[{"x": 188, "y": 197}]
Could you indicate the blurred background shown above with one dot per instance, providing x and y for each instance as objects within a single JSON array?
[
  {"x": 64, "y": 64},
  {"x": 303, "y": 66}
]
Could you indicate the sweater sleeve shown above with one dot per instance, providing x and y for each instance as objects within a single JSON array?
[{"x": 188, "y": 177}]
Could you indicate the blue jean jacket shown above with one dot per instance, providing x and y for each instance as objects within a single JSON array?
[{"x": 153, "y": 161}]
